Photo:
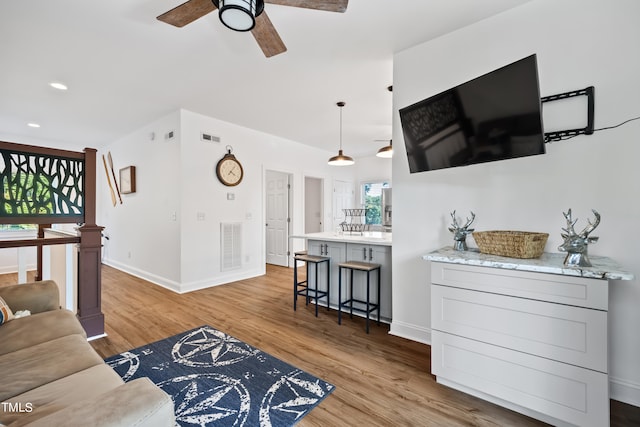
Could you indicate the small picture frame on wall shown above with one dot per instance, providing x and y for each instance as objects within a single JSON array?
[{"x": 128, "y": 180}]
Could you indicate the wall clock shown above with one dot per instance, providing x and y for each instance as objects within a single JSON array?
[
  {"x": 128, "y": 180},
  {"x": 229, "y": 170}
]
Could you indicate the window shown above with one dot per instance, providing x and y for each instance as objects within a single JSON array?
[
  {"x": 17, "y": 227},
  {"x": 372, "y": 201}
]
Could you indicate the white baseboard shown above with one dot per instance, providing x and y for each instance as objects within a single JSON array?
[
  {"x": 624, "y": 391},
  {"x": 221, "y": 280},
  {"x": 410, "y": 332},
  {"x": 95, "y": 337},
  {"x": 150, "y": 277},
  {"x": 182, "y": 288}
]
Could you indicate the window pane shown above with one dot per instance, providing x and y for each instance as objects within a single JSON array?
[
  {"x": 372, "y": 197},
  {"x": 9, "y": 227}
]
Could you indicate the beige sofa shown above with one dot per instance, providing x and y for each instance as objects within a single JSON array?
[{"x": 51, "y": 376}]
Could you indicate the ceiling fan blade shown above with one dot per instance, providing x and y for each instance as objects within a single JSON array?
[
  {"x": 327, "y": 5},
  {"x": 267, "y": 37},
  {"x": 187, "y": 12}
]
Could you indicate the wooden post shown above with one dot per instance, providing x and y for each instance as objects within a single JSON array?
[
  {"x": 90, "y": 256},
  {"x": 41, "y": 228}
]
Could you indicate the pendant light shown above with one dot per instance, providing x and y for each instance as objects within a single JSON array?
[
  {"x": 239, "y": 15},
  {"x": 340, "y": 159},
  {"x": 387, "y": 151}
]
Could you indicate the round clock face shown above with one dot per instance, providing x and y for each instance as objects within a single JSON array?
[{"x": 229, "y": 170}]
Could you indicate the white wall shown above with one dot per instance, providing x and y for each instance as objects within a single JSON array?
[
  {"x": 144, "y": 231},
  {"x": 372, "y": 168},
  {"x": 179, "y": 177},
  {"x": 579, "y": 43}
]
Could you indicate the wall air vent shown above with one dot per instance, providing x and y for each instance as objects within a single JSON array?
[
  {"x": 230, "y": 246},
  {"x": 207, "y": 137}
]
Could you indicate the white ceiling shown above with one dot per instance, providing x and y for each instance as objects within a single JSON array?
[{"x": 125, "y": 69}]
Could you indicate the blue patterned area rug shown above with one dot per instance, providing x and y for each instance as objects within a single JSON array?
[{"x": 215, "y": 379}]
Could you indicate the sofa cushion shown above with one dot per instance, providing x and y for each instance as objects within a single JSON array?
[
  {"x": 86, "y": 384},
  {"x": 31, "y": 367},
  {"x": 33, "y": 296},
  {"x": 37, "y": 328},
  {"x": 136, "y": 403},
  {"x": 5, "y": 312}
]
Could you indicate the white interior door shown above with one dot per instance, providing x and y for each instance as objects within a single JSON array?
[
  {"x": 277, "y": 218},
  {"x": 343, "y": 198}
]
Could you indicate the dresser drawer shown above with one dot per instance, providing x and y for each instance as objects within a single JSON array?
[
  {"x": 568, "y": 334},
  {"x": 571, "y": 394},
  {"x": 578, "y": 291}
]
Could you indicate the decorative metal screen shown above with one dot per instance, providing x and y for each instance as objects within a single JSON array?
[{"x": 41, "y": 185}]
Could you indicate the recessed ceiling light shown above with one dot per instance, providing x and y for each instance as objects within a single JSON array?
[
  {"x": 58, "y": 85},
  {"x": 33, "y": 125}
]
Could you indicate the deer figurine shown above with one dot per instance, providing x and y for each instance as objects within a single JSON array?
[
  {"x": 576, "y": 244},
  {"x": 460, "y": 233}
]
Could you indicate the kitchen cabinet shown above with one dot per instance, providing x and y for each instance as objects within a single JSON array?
[
  {"x": 369, "y": 247},
  {"x": 338, "y": 253},
  {"x": 377, "y": 254}
]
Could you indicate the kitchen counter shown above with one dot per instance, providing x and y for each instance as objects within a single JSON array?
[{"x": 367, "y": 237}]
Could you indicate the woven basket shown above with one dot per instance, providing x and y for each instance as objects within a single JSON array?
[{"x": 513, "y": 244}]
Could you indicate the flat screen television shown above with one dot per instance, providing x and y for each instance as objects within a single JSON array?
[{"x": 495, "y": 116}]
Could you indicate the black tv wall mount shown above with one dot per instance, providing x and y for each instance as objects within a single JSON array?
[{"x": 570, "y": 133}]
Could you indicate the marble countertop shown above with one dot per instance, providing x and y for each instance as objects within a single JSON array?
[
  {"x": 367, "y": 237},
  {"x": 553, "y": 263}
]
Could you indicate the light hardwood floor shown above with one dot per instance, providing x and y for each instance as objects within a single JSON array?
[{"x": 380, "y": 379}]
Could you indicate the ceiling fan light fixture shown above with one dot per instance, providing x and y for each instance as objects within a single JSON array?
[
  {"x": 386, "y": 151},
  {"x": 239, "y": 15}
]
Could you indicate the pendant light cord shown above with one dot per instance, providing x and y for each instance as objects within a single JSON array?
[{"x": 340, "y": 128}]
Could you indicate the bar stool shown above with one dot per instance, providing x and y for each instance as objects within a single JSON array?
[
  {"x": 365, "y": 306},
  {"x": 302, "y": 288}
]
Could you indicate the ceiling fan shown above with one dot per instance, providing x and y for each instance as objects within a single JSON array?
[{"x": 246, "y": 15}]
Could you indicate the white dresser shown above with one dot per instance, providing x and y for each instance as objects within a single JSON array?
[{"x": 529, "y": 335}]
